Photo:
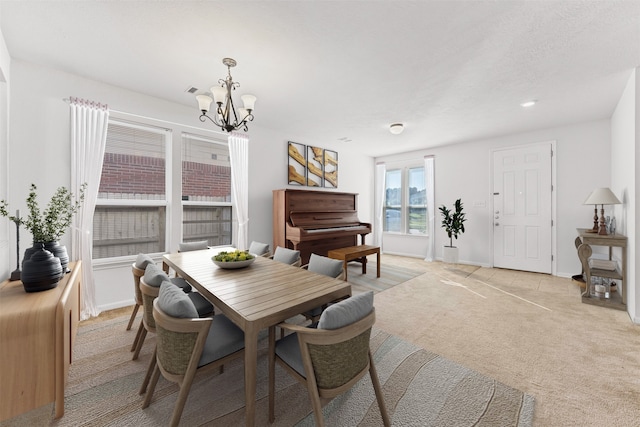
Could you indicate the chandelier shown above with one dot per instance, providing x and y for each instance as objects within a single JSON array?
[{"x": 225, "y": 114}]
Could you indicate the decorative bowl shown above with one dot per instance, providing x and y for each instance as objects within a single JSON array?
[
  {"x": 230, "y": 265},
  {"x": 233, "y": 259}
]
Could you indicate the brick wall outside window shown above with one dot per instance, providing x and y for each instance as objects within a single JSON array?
[{"x": 131, "y": 174}]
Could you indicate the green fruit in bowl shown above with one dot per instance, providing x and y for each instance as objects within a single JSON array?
[{"x": 234, "y": 256}]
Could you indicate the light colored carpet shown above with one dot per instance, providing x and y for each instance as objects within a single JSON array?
[{"x": 420, "y": 389}]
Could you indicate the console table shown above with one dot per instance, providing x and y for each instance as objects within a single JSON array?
[
  {"x": 37, "y": 333},
  {"x": 618, "y": 299}
]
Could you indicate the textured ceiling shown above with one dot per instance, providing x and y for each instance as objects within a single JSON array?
[{"x": 451, "y": 71}]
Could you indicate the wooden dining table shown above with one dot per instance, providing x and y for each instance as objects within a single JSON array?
[{"x": 255, "y": 297}]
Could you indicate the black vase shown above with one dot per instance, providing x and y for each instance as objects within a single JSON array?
[
  {"x": 60, "y": 252},
  {"x": 42, "y": 271},
  {"x": 55, "y": 248}
]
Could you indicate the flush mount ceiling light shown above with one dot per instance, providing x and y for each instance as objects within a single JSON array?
[
  {"x": 396, "y": 128},
  {"x": 225, "y": 115},
  {"x": 529, "y": 103}
]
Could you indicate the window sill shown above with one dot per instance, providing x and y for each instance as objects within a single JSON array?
[{"x": 392, "y": 233}]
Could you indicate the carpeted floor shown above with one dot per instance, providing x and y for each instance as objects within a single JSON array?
[{"x": 420, "y": 388}]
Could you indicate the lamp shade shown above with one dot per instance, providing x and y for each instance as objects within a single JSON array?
[
  {"x": 204, "y": 102},
  {"x": 602, "y": 196},
  {"x": 249, "y": 101}
]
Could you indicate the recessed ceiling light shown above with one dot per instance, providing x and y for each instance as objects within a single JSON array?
[
  {"x": 396, "y": 128},
  {"x": 529, "y": 103}
]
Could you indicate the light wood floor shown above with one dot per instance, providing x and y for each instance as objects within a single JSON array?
[{"x": 530, "y": 331}]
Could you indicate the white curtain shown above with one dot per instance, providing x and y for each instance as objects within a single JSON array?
[
  {"x": 429, "y": 177},
  {"x": 379, "y": 203},
  {"x": 239, "y": 156},
  {"x": 89, "y": 122}
]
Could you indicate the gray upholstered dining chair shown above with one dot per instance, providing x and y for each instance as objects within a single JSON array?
[
  {"x": 287, "y": 256},
  {"x": 149, "y": 284},
  {"x": 193, "y": 246},
  {"x": 259, "y": 249},
  {"x": 331, "y": 358},
  {"x": 187, "y": 345},
  {"x": 327, "y": 266},
  {"x": 141, "y": 262}
]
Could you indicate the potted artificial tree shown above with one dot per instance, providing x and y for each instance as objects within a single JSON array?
[{"x": 453, "y": 223}]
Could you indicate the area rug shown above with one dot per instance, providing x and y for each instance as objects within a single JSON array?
[
  {"x": 420, "y": 389},
  {"x": 390, "y": 276}
]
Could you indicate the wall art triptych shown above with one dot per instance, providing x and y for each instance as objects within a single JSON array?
[{"x": 312, "y": 166}]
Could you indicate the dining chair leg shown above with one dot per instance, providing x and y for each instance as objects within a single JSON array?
[
  {"x": 135, "y": 341},
  {"x": 376, "y": 386},
  {"x": 272, "y": 372},
  {"x": 152, "y": 386},
  {"x": 139, "y": 344},
  {"x": 147, "y": 377},
  {"x": 182, "y": 399},
  {"x": 315, "y": 403},
  {"x": 133, "y": 316}
]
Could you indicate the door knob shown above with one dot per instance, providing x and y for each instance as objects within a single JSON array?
[
  {"x": 497, "y": 212},
  {"x": 496, "y": 224}
]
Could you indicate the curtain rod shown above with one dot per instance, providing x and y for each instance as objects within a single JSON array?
[{"x": 68, "y": 101}]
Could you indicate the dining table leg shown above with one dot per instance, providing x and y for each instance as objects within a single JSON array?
[{"x": 250, "y": 369}]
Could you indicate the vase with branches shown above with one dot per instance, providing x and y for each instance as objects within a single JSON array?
[{"x": 49, "y": 224}]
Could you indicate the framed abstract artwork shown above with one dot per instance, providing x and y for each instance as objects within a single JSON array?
[
  {"x": 330, "y": 169},
  {"x": 311, "y": 166},
  {"x": 314, "y": 166},
  {"x": 297, "y": 167}
]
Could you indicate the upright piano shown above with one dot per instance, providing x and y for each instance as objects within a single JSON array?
[{"x": 316, "y": 221}]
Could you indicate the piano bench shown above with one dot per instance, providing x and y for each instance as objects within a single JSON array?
[{"x": 353, "y": 253}]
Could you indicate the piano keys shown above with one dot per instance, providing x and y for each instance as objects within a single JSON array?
[{"x": 316, "y": 221}]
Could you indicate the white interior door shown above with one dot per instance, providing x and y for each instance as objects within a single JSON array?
[{"x": 522, "y": 211}]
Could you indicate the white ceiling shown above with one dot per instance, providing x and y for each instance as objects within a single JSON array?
[{"x": 451, "y": 71}]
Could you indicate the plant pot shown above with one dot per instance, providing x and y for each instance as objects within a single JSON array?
[
  {"x": 42, "y": 271},
  {"x": 450, "y": 254}
]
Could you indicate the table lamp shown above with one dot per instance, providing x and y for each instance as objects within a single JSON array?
[{"x": 601, "y": 196}]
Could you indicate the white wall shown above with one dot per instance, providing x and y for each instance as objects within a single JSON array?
[
  {"x": 464, "y": 171},
  {"x": 6, "y": 236},
  {"x": 40, "y": 149},
  {"x": 625, "y": 158}
]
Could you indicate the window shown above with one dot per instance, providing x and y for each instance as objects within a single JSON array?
[
  {"x": 206, "y": 191},
  {"x": 405, "y": 208},
  {"x": 131, "y": 210},
  {"x": 148, "y": 202}
]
